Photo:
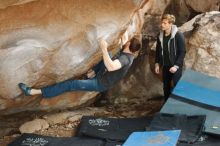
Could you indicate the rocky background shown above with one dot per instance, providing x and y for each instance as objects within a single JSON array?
[{"x": 46, "y": 41}]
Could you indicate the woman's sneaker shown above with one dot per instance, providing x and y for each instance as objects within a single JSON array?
[{"x": 25, "y": 89}]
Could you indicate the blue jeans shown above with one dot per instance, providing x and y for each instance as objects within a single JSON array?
[
  {"x": 72, "y": 85},
  {"x": 75, "y": 85}
]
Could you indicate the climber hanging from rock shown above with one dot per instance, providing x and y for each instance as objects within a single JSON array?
[{"x": 107, "y": 73}]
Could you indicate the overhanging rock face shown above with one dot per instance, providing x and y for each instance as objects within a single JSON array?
[{"x": 47, "y": 41}]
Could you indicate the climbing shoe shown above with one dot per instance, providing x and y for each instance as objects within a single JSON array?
[{"x": 25, "y": 89}]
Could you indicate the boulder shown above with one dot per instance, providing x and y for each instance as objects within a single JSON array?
[
  {"x": 47, "y": 41},
  {"x": 203, "y": 51},
  {"x": 33, "y": 126}
]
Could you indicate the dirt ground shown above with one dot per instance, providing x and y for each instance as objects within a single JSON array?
[{"x": 10, "y": 124}]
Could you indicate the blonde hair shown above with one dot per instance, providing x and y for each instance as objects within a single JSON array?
[{"x": 169, "y": 17}]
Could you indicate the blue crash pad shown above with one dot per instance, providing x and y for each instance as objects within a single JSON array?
[{"x": 153, "y": 138}]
